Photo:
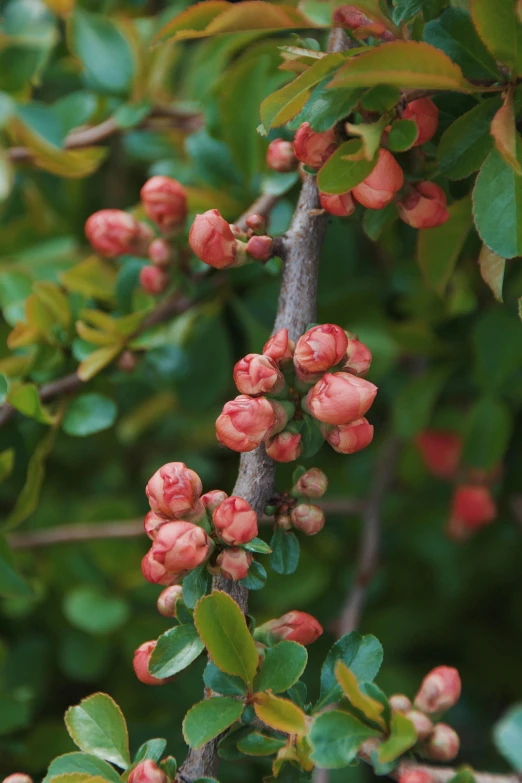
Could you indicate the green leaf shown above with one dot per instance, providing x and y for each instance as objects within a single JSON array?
[
  {"x": 282, "y": 666},
  {"x": 280, "y": 714},
  {"x": 341, "y": 173},
  {"x": 465, "y": 145},
  {"x": 325, "y": 107},
  {"x": 175, "y": 650},
  {"x": 507, "y": 734},
  {"x": 404, "y": 10},
  {"x": 27, "y": 500},
  {"x": 488, "y": 430},
  {"x": 336, "y": 737},
  {"x": 492, "y": 268},
  {"x": 257, "y": 545},
  {"x": 11, "y": 583},
  {"x": 381, "y": 98},
  {"x": 256, "y": 744},
  {"x": 169, "y": 766},
  {"x": 195, "y": 585},
  {"x": 83, "y": 763},
  {"x": 225, "y": 684},
  {"x": 93, "y": 611},
  {"x": 375, "y": 221},
  {"x": 89, "y": 413},
  {"x": 371, "y": 709},
  {"x": 210, "y": 717},
  {"x": 403, "y": 135},
  {"x": 454, "y": 33},
  {"x": 25, "y": 398},
  {"x": 439, "y": 248},
  {"x": 97, "y": 726},
  {"x": 363, "y": 656},
  {"x": 285, "y": 552},
  {"x": 311, "y": 437},
  {"x": 152, "y": 749},
  {"x": 402, "y": 737},
  {"x": 256, "y": 577},
  {"x": 499, "y": 27},
  {"x": 7, "y": 459},
  {"x": 223, "y": 629}
]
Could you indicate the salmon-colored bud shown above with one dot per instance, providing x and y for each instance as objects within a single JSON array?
[
  {"x": 351, "y": 18},
  {"x": 141, "y": 665},
  {"x": 440, "y": 451},
  {"x": 257, "y": 223},
  {"x": 156, "y": 573},
  {"x": 423, "y": 206},
  {"x": 341, "y": 205},
  {"x": 439, "y": 690},
  {"x": 380, "y": 187},
  {"x": 472, "y": 508},
  {"x": 247, "y": 421},
  {"x": 415, "y": 776},
  {"x": 258, "y": 374},
  {"x": 443, "y": 743},
  {"x": 284, "y": 447},
  {"x": 127, "y": 362},
  {"x": 313, "y": 149},
  {"x": 399, "y": 702},
  {"x": 113, "y": 232},
  {"x": 279, "y": 347},
  {"x": 319, "y": 349},
  {"x": 18, "y": 777},
  {"x": 147, "y": 772},
  {"x": 340, "y": 398},
  {"x": 307, "y": 518},
  {"x": 260, "y": 248},
  {"x": 235, "y": 520},
  {"x": 174, "y": 490},
  {"x": 165, "y": 202},
  {"x": 234, "y": 563},
  {"x": 212, "y": 499},
  {"x": 280, "y": 156},
  {"x": 425, "y": 114},
  {"x": 284, "y": 521},
  {"x": 358, "y": 358},
  {"x": 423, "y": 725},
  {"x": 312, "y": 484},
  {"x": 160, "y": 252},
  {"x": 294, "y": 626},
  {"x": 152, "y": 523},
  {"x": 349, "y": 438},
  {"x": 180, "y": 546},
  {"x": 153, "y": 279},
  {"x": 212, "y": 240},
  {"x": 168, "y": 599}
]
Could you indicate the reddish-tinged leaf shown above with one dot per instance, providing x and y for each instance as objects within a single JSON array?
[
  {"x": 504, "y": 132},
  {"x": 498, "y": 25},
  {"x": 492, "y": 269}
]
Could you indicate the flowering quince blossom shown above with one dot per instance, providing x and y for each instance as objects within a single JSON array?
[
  {"x": 341, "y": 205},
  {"x": 293, "y": 626},
  {"x": 279, "y": 347},
  {"x": 313, "y": 149},
  {"x": 113, "y": 232},
  {"x": 147, "y": 771},
  {"x": 319, "y": 349},
  {"x": 423, "y": 206},
  {"x": 247, "y": 421},
  {"x": 168, "y": 599},
  {"x": 235, "y": 520},
  {"x": 153, "y": 279},
  {"x": 213, "y": 241},
  {"x": 180, "y": 546},
  {"x": 415, "y": 776},
  {"x": 174, "y": 490},
  {"x": 472, "y": 508},
  {"x": 165, "y": 202},
  {"x": 348, "y": 438},
  {"x": 357, "y": 359},
  {"x": 284, "y": 447},
  {"x": 213, "y": 498},
  {"x": 362, "y": 26},
  {"x": 234, "y": 563},
  {"x": 280, "y": 156},
  {"x": 312, "y": 484},
  {"x": 340, "y": 398},
  {"x": 440, "y": 451},
  {"x": 258, "y": 374},
  {"x": 443, "y": 743},
  {"x": 152, "y": 523},
  {"x": 380, "y": 187},
  {"x": 141, "y": 665},
  {"x": 439, "y": 690},
  {"x": 307, "y": 518},
  {"x": 425, "y": 114}
]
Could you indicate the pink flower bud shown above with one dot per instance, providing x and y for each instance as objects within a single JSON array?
[
  {"x": 443, "y": 744},
  {"x": 257, "y": 223},
  {"x": 260, "y": 248},
  {"x": 112, "y": 232},
  {"x": 160, "y": 252},
  {"x": 340, "y": 398},
  {"x": 180, "y": 546},
  {"x": 153, "y": 279},
  {"x": 351, "y": 18},
  {"x": 174, "y": 490},
  {"x": 415, "y": 776},
  {"x": 399, "y": 702},
  {"x": 152, "y": 523},
  {"x": 156, "y": 573},
  {"x": 440, "y": 451},
  {"x": 472, "y": 508},
  {"x": 425, "y": 114},
  {"x": 18, "y": 777},
  {"x": 349, "y": 438},
  {"x": 319, "y": 349},
  {"x": 212, "y": 499},
  {"x": 258, "y": 374},
  {"x": 307, "y": 518},
  {"x": 147, "y": 772},
  {"x": 284, "y": 521},
  {"x": 313, "y": 149},
  {"x": 379, "y": 188},
  {"x": 168, "y": 599},
  {"x": 312, "y": 484},
  {"x": 279, "y": 347},
  {"x": 165, "y": 202},
  {"x": 341, "y": 205},
  {"x": 284, "y": 447},
  {"x": 358, "y": 358},
  {"x": 439, "y": 690},
  {"x": 247, "y": 421},
  {"x": 423, "y": 725},
  {"x": 295, "y": 627},
  {"x": 212, "y": 240},
  {"x": 141, "y": 665},
  {"x": 235, "y": 520},
  {"x": 280, "y": 156},
  {"x": 423, "y": 206},
  {"x": 234, "y": 563}
]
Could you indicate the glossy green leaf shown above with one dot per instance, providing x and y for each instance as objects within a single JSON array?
[
  {"x": 499, "y": 27},
  {"x": 454, "y": 33},
  {"x": 497, "y": 205},
  {"x": 175, "y": 650},
  {"x": 152, "y": 749},
  {"x": 282, "y": 666},
  {"x": 336, "y": 737},
  {"x": 488, "y": 431},
  {"x": 465, "y": 145},
  {"x": 325, "y": 107},
  {"x": 83, "y": 763},
  {"x": 257, "y": 545},
  {"x": 362, "y": 654},
  {"x": 380, "y": 98},
  {"x": 285, "y": 552},
  {"x": 369, "y": 707},
  {"x": 439, "y": 248},
  {"x": 195, "y": 585},
  {"x": 208, "y": 718},
  {"x": 402, "y": 737},
  {"x": 225, "y": 684},
  {"x": 256, "y": 577},
  {"x": 256, "y": 744},
  {"x": 402, "y": 135},
  {"x": 341, "y": 173},
  {"x": 97, "y": 726},
  {"x": 507, "y": 734},
  {"x": 88, "y": 414}
]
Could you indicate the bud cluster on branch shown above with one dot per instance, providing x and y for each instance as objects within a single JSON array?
[{"x": 224, "y": 245}]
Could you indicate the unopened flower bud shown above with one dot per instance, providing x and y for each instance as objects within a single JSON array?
[
  {"x": 165, "y": 202},
  {"x": 340, "y": 398},
  {"x": 168, "y": 599},
  {"x": 312, "y": 484},
  {"x": 423, "y": 725},
  {"x": 112, "y": 232},
  {"x": 280, "y": 156},
  {"x": 156, "y": 573},
  {"x": 18, "y": 777},
  {"x": 174, "y": 490},
  {"x": 313, "y": 149},
  {"x": 294, "y": 626},
  {"x": 284, "y": 521},
  {"x": 257, "y": 223},
  {"x": 152, "y": 524},
  {"x": 362, "y": 26},
  {"x": 341, "y": 205},
  {"x": 279, "y": 347},
  {"x": 472, "y": 507},
  {"x": 358, "y": 358},
  {"x": 153, "y": 279},
  {"x": 260, "y": 248},
  {"x": 423, "y": 206},
  {"x": 285, "y": 446},
  {"x": 257, "y": 374},
  {"x": 415, "y": 776},
  {"x": 212, "y": 240},
  {"x": 212, "y": 499},
  {"x": 247, "y": 421},
  {"x": 127, "y": 361},
  {"x": 160, "y": 252},
  {"x": 425, "y": 114},
  {"x": 380, "y": 187},
  {"x": 399, "y": 702},
  {"x": 319, "y": 349},
  {"x": 439, "y": 690},
  {"x": 235, "y": 520},
  {"x": 440, "y": 451},
  {"x": 234, "y": 563},
  {"x": 180, "y": 546},
  {"x": 141, "y": 665},
  {"x": 307, "y": 518},
  {"x": 443, "y": 743},
  {"x": 348, "y": 438}
]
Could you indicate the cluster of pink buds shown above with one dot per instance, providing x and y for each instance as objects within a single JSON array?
[
  {"x": 472, "y": 505},
  {"x": 439, "y": 691},
  {"x": 320, "y": 376},
  {"x": 224, "y": 245},
  {"x": 293, "y": 626},
  {"x": 294, "y": 510}
]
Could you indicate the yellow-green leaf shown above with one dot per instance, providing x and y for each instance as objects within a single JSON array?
[
  {"x": 370, "y": 708},
  {"x": 92, "y": 277},
  {"x": 504, "y": 132},
  {"x": 280, "y": 714},
  {"x": 499, "y": 27},
  {"x": 492, "y": 268},
  {"x": 97, "y": 360},
  {"x": 402, "y": 737},
  {"x": 25, "y": 398}
]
